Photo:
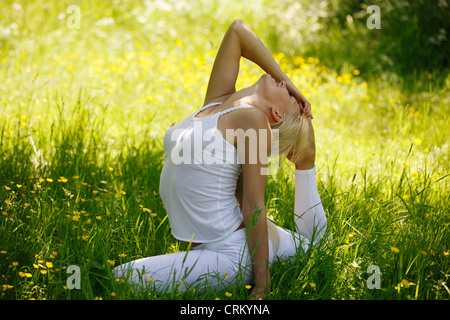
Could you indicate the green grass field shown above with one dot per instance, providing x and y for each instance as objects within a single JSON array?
[{"x": 82, "y": 116}]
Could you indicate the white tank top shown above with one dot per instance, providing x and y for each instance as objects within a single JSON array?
[{"x": 198, "y": 180}]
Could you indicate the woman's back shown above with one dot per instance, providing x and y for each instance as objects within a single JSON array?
[{"x": 199, "y": 177}]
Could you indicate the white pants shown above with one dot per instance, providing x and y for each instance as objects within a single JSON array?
[{"x": 228, "y": 262}]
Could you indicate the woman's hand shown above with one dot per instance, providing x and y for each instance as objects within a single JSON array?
[
  {"x": 305, "y": 106},
  {"x": 257, "y": 294}
]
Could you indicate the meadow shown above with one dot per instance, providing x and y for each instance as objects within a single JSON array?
[{"x": 83, "y": 110}]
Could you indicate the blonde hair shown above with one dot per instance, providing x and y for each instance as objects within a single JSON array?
[{"x": 293, "y": 134}]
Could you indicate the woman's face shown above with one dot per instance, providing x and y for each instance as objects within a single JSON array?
[{"x": 277, "y": 95}]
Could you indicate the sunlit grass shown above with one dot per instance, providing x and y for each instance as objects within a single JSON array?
[{"x": 82, "y": 116}]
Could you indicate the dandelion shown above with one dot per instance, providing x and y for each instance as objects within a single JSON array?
[{"x": 395, "y": 249}]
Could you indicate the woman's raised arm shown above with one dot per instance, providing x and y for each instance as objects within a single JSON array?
[{"x": 239, "y": 41}]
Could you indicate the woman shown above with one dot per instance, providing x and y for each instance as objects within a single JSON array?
[{"x": 213, "y": 186}]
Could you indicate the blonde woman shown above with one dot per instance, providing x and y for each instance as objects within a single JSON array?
[{"x": 212, "y": 184}]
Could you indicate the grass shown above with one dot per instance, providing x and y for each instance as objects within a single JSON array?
[{"x": 83, "y": 113}]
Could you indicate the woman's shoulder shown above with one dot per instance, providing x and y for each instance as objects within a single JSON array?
[{"x": 251, "y": 118}]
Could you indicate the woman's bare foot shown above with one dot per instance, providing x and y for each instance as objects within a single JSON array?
[{"x": 308, "y": 158}]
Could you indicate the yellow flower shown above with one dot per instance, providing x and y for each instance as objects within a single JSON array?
[
  {"x": 98, "y": 218},
  {"x": 225, "y": 275},
  {"x": 248, "y": 287},
  {"x": 111, "y": 262},
  {"x": 62, "y": 179},
  {"x": 44, "y": 271},
  {"x": 423, "y": 252},
  {"x": 110, "y": 168},
  {"x": 405, "y": 282},
  {"x": 446, "y": 253},
  {"x": 15, "y": 264},
  {"x": 228, "y": 294},
  {"x": 395, "y": 250},
  {"x": 19, "y": 186},
  {"x": 113, "y": 294},
  {"x": 26, "y": 205},
  {"x": 356, "y": 72},
  {"x": 122, "y": 255},
  {"x": 49, "y": 180},
  {"x": 7, "y": 188},
  {"x": 49, "y": 265},
  {"x": 312, "y": 284},
  {"x": 123, "y": 192}
]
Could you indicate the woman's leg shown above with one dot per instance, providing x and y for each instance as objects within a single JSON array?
[
  {"x": 309, "y": 214},
  {"x": 216, "y": 265}
]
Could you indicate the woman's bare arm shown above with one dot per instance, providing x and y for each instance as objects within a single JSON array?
[{"x": 240, "y": 41}]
